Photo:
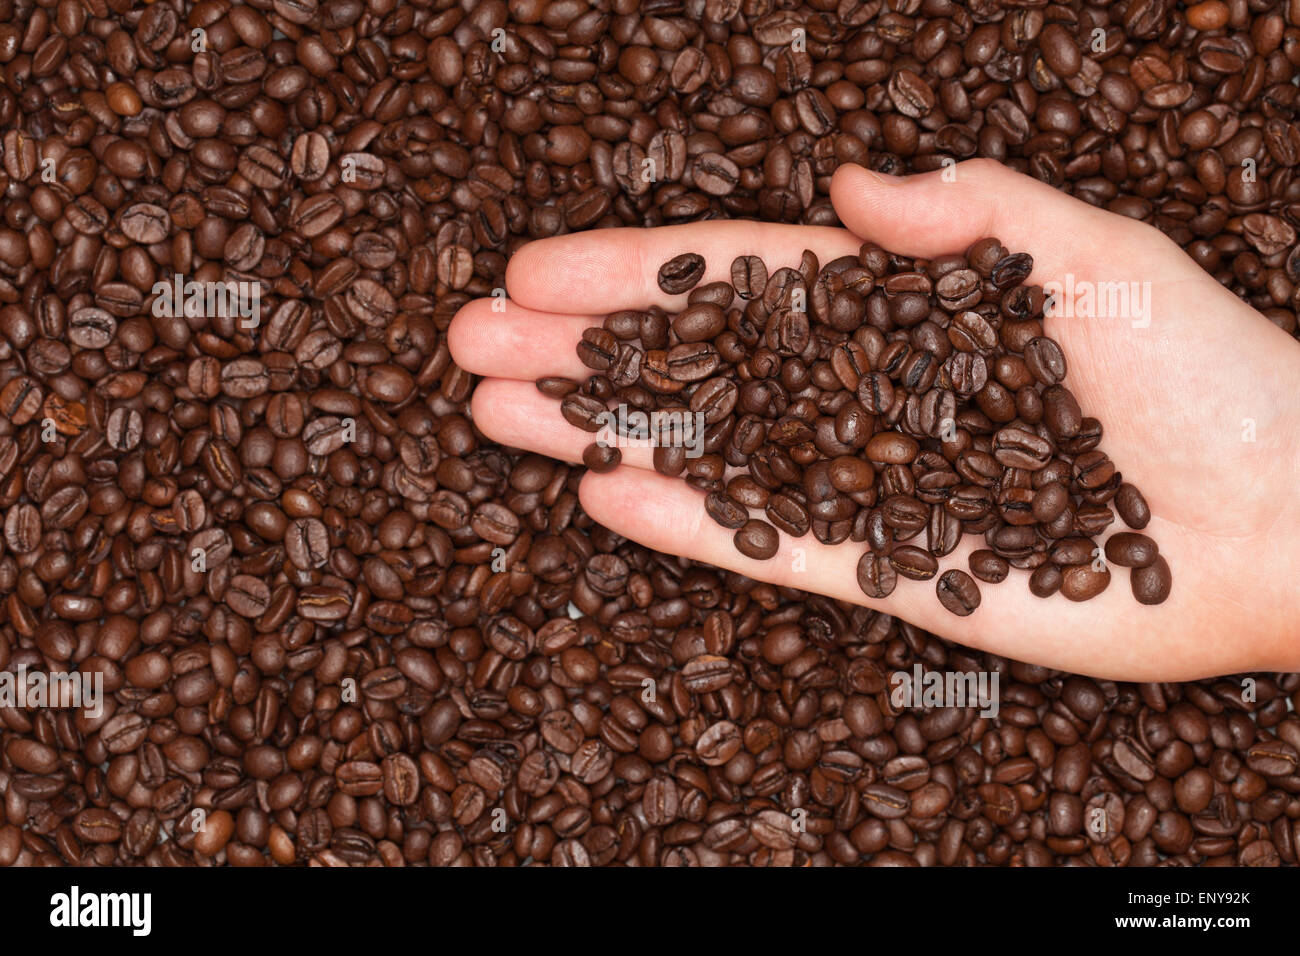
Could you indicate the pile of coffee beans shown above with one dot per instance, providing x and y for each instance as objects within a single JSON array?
[
  {"x": 330, "y": 615},
  {"x": 876, "y": 399}
]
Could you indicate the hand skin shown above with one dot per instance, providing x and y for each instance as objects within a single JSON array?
[{"x": 1173, "y": 399}]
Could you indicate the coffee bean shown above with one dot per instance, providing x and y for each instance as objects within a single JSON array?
[
  {"x": 601, "y": 458},
  {"x": 725, "y": 511},
  {"x": 1019, "y": 448},
  {"x": 749, "y": 277},
  {"x": 1131, "y": 550},
  {"x": 681, "y": 273},
  {"x": 891, "y": 448},
  {"x": 757, "y": 539},
  {"x": 1152, "y": 584},
  {"x": 988, "y": 566},
  {"x": 265, "y": 557},
  {"x": 316, "y": 215},
  {"x": 885, "y": 801},
  {"x": 699, "y": 323},
  {"x": 144, "y": 223},
  {"x": 912, "y": 562},
  {"x": 1272, "y": 758},
  {"x": 706, "y": 673},
  {"x": 248, "y": 596},
  {"x": 306, "y": 543},
  {"x": 598, "y": 349},
  {"x": 583, "y": 411},
  {"x": 91, "y": 328},
  {"x": 1045, "y": 360},
  {"x": 958, "y": 592},
  {"x": 309, "y": 159},
  {"x": 98, "y": 826},
  {"x": 1047, "y": 580},
  {"x": 22, "y": 527},
  {"x": 1082, "y": 582},
  {"x": 876, "y": 575},
  {"x": 556, "y": 387},
  {"x": 1132, "y": 507},
  {"x": 715, "y": 174}
]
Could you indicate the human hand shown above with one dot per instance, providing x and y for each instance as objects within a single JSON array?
[{"x": 1176, "y": 398}]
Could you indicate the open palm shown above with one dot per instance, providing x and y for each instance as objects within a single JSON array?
[{"x": 1198, "y": 406}]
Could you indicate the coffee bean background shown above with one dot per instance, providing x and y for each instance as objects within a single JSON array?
[{"x": 408, "y": 645}]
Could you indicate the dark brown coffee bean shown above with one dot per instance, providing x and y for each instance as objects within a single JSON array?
[
  {"x": 1152, "y": 584},
  {"x": 1046, "y": 580},
  {"x": 725, "y": 511},
  {"x": 91, "y": 328},
  {"x": 749, "y": 277},
  {"x": 958, "y": 592},
  {"x": 1045, "y": 360},
  {"x": 876, "y": 576},
  {"x": 1132, "y": 507},
  {"x": 988, "y": 566},
  {"x": 1131, "y": 550},
  {"x": 1082, "y": 582},
  {"x": 681, "y": 273},
  {"x": 310, "y": 156},
  {"x": 913, "y": 562},
  {"x": 757, "y": 539},
  {"x": 145, "y": 223},
  {"x": 601, "y": 458}
]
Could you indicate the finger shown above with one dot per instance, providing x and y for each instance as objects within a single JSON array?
[
  {"x": 611, "y": 269},
  {"x": 668, "y": 516},
  {"x": 944, "y": 211},
  {"x": 516, "y": 414},
  {"x": 516, "y": 342}
]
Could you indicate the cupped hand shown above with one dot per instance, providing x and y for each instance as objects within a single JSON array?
[{"x": 1197, "y": 397}]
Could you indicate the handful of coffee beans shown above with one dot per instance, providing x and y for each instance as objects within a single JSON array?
[{"x": 894, "y": 402}]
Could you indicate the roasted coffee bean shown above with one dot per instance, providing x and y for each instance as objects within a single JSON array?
[
  {"x": 1046, "y": 580},
  {"x": 958, "y": 592},
  {"x": 749, "y": 277},
  {"x": 1131, "y": 550},
  {"x": 988, "y": 566},
  {"x": 601, "y": 458},
  {"x": 876, "y": 575},
  {"x": 144, "y": 223},
  {"x": 755, "y": 361},
  {"x": 583, "y": 411},
  {"x": 788, "y": 514},
  {"x": 1045, "y": 360},
  {"x": 681, "y": 273},
  {"x": 1082, "y": 582},
  {"x": 1019, "y": 448},
  {"x": 598, "y": 349},
  {"x": 306, "y": 543},
  {"x": 699, "y": 323},
  {"x": 1152, "y": 584},
  {"x": 1132, "y": 507},
  {"x": 242, "y": 520},
  {"x": 757, "y": 539},
  {"x": 693, "y": 362},
  {"x": 91, "y": 328},
  {"x": 556, "y": 387},
  {"x": 1273, "y": 758},
  {"x": 310, "y": 156},
  {"x": 876, "y": 392},
  {"x": 725, "y": 510},
  {"x": 912, "y": 562},
  {"x": 715, "y": 174}
]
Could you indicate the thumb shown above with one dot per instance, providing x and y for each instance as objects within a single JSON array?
[{"x": 944, "y": 211}]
